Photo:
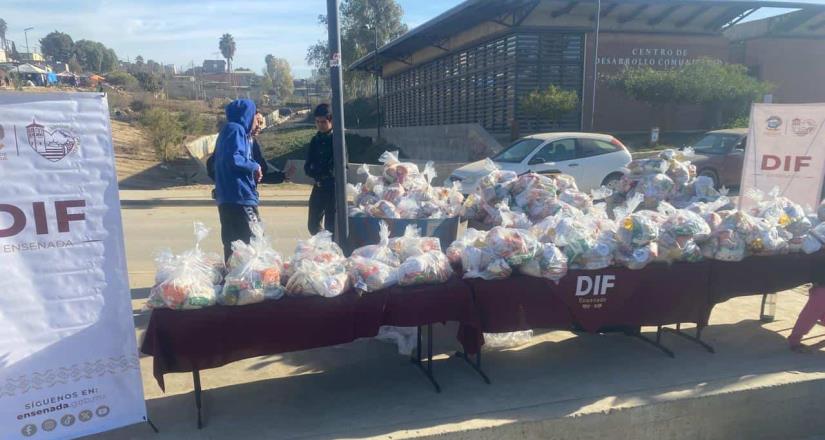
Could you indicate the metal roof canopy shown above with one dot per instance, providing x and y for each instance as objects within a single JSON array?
[
  {"x": 797, "y": 24},
  {"x": 665, "y": 16}
]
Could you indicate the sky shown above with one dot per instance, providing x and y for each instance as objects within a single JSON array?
[{"x": 183, "y": 32}]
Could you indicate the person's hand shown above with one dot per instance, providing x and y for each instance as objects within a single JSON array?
[{"x": 258, "y": 175}]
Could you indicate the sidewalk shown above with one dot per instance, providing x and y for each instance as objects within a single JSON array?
[{"x": 284, "y": 195}]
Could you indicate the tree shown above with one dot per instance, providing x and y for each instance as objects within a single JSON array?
[
  {"x": 95, "y": 57},
  {"x": 122, "y": 79},
  {"x": 149, "y": 82},
  {"x": 154, "y": 67},
  {"x": 57, "y": 45},
  {"x": 360, "y": 20},
  {"x": 227, "y": 47},
  {"x": 139, "y": 65},
  {"x": 74, "y": 65},
  {"x": 280, "y": 73},
  {"x": 725, "y": 90},
  {"x": 550, "y": 104},
  {"x": 191, "y": 122},
  {"x": 165, "y": 132}
]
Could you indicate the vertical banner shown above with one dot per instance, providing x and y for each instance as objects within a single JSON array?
[
  {"x": 68, "y": 356},
  {"x": 786, "y": 150}
]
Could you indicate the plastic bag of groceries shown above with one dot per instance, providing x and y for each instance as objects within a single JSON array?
[
  {"x": 507, "y": 340},
  {"x": 314, "y": 278},
  {"x": 449, "y": 199},
  {"x": 550, "y": 262},
  {"x": 574, "y": 236},
  {"x": 601, "y": 254},
  {"x": 729, "y": 241},
  {"x": 564, "y": 182},
  {"x": 501, "y": 215},
  {"x": 370, "y": 181},
  {"x": 681, "y": 234},
  {"x": 473, "y": 208},
  {"x": 383, "y": 209},
  {"x": 482, "y": 263},
  {"x": 536, "y": 182},
  {"x": 495, "y": 187},
  {"x": 186, "y": 281},
  {"x": 638, "y": 257},
  {"x": 396, "y": 171},
  {"x": 412, "y": 243},
  {"x": 255, "y": 272},
  {"x": 515, "y": 246},
  {"x": 815, "y": 240},
  {"x": 370, "y": 275},
  {"x": 651, "y": 166},
  {"x": 655, "y": 188},
  {"x": 820, "y": 211},
  {"x": 545, "y": 230},
  {"x": 577, "y": 199},
  {"x": 319, "y": 248},
  {"x": 431, "y": 267},
  {"x": 380, "y": 252},
  {"x": 471, "y": 238}
]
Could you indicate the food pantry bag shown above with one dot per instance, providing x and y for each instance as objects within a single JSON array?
[
  {"x": 313, "y": 278},
  {"x": 431, "y": 267},
  {"x": 186, "y": 281},
  {"x": 412, "y": 243},
  {"x": 380, "y": 252},
  {"x": 254, "y": 272}
]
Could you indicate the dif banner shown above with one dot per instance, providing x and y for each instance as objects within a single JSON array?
[
  {"x": 786, "y": 150},
  {"x": 68, "y": 356}
]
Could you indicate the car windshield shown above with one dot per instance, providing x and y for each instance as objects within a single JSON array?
[
  {"x": 519, "y": 150},
  {"x": 716, "y": 143}
]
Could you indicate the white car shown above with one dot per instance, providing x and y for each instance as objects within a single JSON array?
[{"x": 593, "y": 159}]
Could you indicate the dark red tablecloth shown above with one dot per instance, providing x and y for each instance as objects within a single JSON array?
[
  {"x": 421, "y": 305},
  {"x": 656, "y": 295},
  {"x": 183, "y": 341},
  {"x": 764, "y": 274}
]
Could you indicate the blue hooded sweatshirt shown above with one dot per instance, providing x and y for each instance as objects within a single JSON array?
[{"x": 234, "y": 165}]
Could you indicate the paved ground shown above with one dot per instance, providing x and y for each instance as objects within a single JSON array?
[{"x": 365, "y": 389}]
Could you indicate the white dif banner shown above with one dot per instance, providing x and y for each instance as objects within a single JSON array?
[
  {"x": 68, "y": 355},
  {"x": 786, "y": 150}
]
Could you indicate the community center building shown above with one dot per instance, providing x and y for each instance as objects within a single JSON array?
[{"x": 474, "y": 63}]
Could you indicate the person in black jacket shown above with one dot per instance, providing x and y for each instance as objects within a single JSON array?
[{"x": 319, "y": 166}]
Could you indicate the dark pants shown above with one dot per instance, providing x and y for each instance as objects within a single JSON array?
[
  {"x": 321, "y": 206},
  {"x": 236, "y": 222}
]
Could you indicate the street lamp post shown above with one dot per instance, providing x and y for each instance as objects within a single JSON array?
[
  {"x": 26, "y": 34},
  {"x": 339, "y": 146}
]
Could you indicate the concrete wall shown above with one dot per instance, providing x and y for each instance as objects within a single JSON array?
[
  {"x": 794, "y": 65},
  {"x": 441, "y": 143}
]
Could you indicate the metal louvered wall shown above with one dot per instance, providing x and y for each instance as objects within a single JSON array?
[{"x": 483, "y": 84}]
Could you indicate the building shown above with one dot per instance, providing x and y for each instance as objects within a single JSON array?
[
  {"x": 32, "y": 57},
  {"x": 214, "y": 67},
  {"x": 476, "y": 61},
  {"x": 787, "y": 51},
  {"x": 170, "y": 69}
]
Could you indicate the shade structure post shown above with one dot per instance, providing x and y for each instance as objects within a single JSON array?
[{"x": 339, "y": 145}]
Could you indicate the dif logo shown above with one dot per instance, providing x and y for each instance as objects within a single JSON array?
[
  {"x": 596, "y": 286},
  {"x": 19, "y": 220}
]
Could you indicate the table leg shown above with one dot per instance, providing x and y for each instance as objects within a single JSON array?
[
  {"x": 696, "y": 339},
  {"x": 417, "y": 360},
  {"x": 475, "y": 365},
  {"x": 637, "y": 333},
  {"x": 196, "y": 377}
]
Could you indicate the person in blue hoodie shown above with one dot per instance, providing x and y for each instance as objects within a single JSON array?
[{"x": 237, "y": 175}]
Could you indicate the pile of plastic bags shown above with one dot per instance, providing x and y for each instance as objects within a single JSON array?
[
  {"x": 188, "y": 280},
  {"x": 406, "y": 260},
  {"x": 403, "y": 191}
]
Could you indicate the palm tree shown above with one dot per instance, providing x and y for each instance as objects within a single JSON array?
[{"x": 227, "y": 47}]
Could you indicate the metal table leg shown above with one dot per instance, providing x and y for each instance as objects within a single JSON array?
[
  {"x": 637, "y": 333},
  {"x": 695, "y": 339},
  {"x": 196, "y": 377},
  {"x": 428, "y": 371},
  {"x": 475, "y": 365}
]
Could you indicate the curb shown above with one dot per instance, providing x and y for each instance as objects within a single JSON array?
[{"x": 200, "y": 203}]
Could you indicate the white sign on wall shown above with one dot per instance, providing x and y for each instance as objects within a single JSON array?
[
  {"x": 68, "y": 355},
  {"x": 786, "y": 150}
]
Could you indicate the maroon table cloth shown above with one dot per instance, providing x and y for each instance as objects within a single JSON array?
[
  {"x": 414, "y": 306},
  {"x": 764, "y": 274},
  {"x": 184, "y": 341},
  {"x": 656, "y": 295}
]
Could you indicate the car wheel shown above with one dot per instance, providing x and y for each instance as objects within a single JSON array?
[
  {"x": 612, "y": 180},
  {"x": 707, "y": 172}
]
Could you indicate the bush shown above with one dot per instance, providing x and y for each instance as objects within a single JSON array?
[
  {"x": 550, "y": 104},
  {"x": 192, "y": 122},
  {"x": 139, "y": 105},
  {"x": 361, "y": 113},
  {"x": 122, "y": 79},
  {"x": 165, "y": 133},
  {"x": 149, "y": 82}
]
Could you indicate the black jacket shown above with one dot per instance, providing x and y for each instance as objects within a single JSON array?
[
  {"x": 270, "y": 176},
  {"x": 320, "y": 159}
]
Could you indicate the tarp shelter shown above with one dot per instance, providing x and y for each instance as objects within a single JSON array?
[
  {"x": 51, "y": 78},
  {"x": 32, "y": 73}
]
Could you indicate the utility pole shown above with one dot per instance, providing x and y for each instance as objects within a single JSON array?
[
  {"x": 26, "y": 34},
  {"x": 595, "y": 63},
  {"x": 376, "y": 70},
  {"x": 339, "y": 146}
]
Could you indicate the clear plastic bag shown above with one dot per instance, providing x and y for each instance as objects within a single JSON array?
[
  {"x": 550, "y": 263},
  {"x": 645, "y": 167},
  {"x": 383, "y": 209},
  {"x": 507, "y": 340},
  {"x": 412, "y": 243},
  {"x": 371, "y": 275},
  {"x": 577, "y": 199},
  {"x": 638, "y": 257},
  {"x": 380, "y": 252},
  {"x": 501, "y": 215},
  {"x": 396, "y": 171},
  {"x": 515, "y": 246},
  {"x": 255, "y": 272},
  {"x": 186, "y": 281},
  {"x": 403, "y": 337},
  {"x": 312, "y": 278},
  {"x": 820, "y": 211},
  {"x": 428, "y": 268},
  {"x": 471, "y": 238},
  {"x": 482, "y": 263},
  {"x": 319, "y": 248},
  {"x": 495, "y": 187}
]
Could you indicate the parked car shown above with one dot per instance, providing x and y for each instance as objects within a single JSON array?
[
  {"x": 593, "y": 159},
  {"x": 720, "y": 155}
]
